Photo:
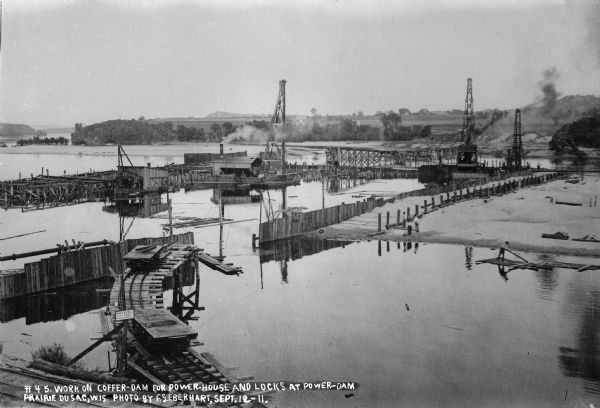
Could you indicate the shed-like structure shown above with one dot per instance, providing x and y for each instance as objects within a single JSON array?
[{"x": 238, "y": 166}]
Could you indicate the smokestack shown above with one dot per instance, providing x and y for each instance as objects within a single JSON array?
[{"x": 221, "y": 149}]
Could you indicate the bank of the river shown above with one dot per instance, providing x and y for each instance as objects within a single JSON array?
[{"x": 519, "y": 217}]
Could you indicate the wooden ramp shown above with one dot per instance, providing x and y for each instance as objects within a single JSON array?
[{"x": 217, "y": 265}]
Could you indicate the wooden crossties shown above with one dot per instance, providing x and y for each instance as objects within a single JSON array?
[
  {"x": 362, "y": 157},
  {"x": 145, "y": 289},
  {"x": 158, "y": 347}
]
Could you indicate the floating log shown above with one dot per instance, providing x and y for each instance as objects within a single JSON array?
[
  {"x": 22, "y": 235},
  {"x": 556, "y": 235},
  {"x": 568, "y": 203},
  {"x": 52, "y": 250},
  {"x": 538, "y": 265},
  {"x": 586, "y": 239}
]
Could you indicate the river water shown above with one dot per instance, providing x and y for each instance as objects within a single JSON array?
[{"x": 418, "y": 326}]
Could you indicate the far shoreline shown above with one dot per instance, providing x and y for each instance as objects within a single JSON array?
[{"x": 537, "y": 152}]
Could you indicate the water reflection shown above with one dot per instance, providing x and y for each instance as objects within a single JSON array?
[
  {"x": 404, "y": 245},
  {"x": 469, "y": 257},
  {"x": 503, "y": 272},
  {"x": 57, "y": 304},
  {"x": 145, "y": 207},
  {"x": 283, "y": 266},
  {"x": 547, "y": 282},
  {"x": 292, "y": 249},
  {"x": 335, "y": 185},
  {"x": 296, "y": 248},
  {"x": 584, "y": 361}
]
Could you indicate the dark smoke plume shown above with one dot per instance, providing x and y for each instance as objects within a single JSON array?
[
  {"x": 548, "y": 87},
  {"x": 495, "y": 116}
]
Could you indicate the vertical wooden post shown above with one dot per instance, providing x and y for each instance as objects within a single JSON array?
[
  {"x": 416, "y": 209},
  {"x": 387, "y": 220},
  {"x": 398, "y": 217},
  {"x": 378, "y": 222},
  {"x": 432, "y": 203},
  {"x": 123, "y": 339}
]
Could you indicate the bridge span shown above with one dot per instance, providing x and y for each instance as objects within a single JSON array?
[{"x": 368, "y": 157}]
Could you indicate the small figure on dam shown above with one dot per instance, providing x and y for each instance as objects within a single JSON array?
[{"x": 503, "y": 249}]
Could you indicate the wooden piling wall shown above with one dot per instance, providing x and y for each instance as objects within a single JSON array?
[
  {"x": 299, "y": 223},
  {"x": 69, "y": 268}
]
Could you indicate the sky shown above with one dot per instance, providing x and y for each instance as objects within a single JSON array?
[{"x": 63, "y": 61}]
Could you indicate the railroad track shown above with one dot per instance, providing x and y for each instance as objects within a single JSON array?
[
  {"x": 141, "y": 291},
  {"x": 144, "y": 290}
]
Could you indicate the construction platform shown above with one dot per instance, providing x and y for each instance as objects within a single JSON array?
[{"x": 160, "y": 345}]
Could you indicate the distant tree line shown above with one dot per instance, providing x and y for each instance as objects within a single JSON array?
[
  {"x": 133, "y": 131},
  {"x": 314, "y": 128},
  {"x": 584, "y": 132},
  {"x": 394, "y": 131},
  {"x": 348, "y": 129},
  {"x": 36, "y": 140}
]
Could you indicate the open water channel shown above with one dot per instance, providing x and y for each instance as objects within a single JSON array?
[{"x": 415, "y": 326}]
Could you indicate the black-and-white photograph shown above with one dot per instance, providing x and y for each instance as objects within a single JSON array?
[{"x": 285, "y": 203}]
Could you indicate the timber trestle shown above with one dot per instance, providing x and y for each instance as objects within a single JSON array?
[{"x": 142, "y": 292}]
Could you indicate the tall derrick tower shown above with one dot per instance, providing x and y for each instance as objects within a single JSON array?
[
  {"x": 278, "y": 119},
  {"x": 467, "y": 151},
  {"x": 277, "y": 122},
  {"x": 468, "y": 115},
  {"x": 515, "y": 154}
]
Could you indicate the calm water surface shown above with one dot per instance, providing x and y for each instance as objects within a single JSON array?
[{"x": 414, "y": 326}]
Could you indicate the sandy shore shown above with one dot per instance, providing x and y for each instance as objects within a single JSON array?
[{"x": 520, "y": 217}]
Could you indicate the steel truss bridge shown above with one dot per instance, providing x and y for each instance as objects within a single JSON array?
[{"x": 363, "y": 157}]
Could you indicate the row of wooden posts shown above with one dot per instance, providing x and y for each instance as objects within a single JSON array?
[
  {"x": 300, "y": 223},
  {"x": 72, "y": 267},
  {"x": 457, "y": 195}
]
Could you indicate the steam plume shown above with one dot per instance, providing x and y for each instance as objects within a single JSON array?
[{"x": 248, "y": 133}]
